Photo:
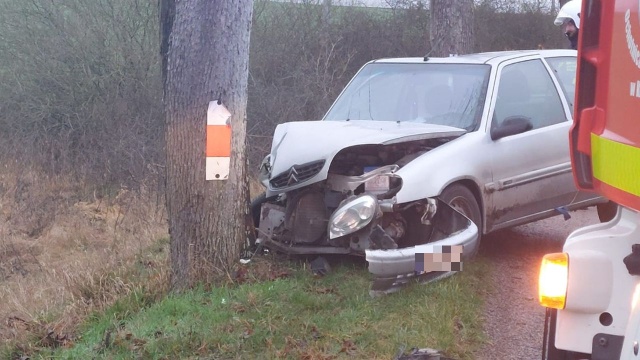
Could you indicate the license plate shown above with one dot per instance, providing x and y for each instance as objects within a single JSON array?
[{"x": 377, "y": 184}]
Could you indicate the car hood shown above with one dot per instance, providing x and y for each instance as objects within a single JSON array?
[{"x": 305, "y": 141}]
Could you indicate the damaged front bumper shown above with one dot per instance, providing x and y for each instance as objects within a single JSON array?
[
  {"x": 453, "y": 232},
  {"x": 359, "y": 215}
]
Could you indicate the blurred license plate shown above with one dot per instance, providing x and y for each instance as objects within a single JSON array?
[{"x": 380, "y": 183}]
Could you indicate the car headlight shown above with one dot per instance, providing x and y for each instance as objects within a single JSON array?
[
  {"x": 352, "y": 216},
  {"x": 265, "y": 170}
]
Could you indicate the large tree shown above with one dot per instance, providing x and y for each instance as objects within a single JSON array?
[
  {"x": 205, "y": 52},
  {"x": 451, "y": 29}
]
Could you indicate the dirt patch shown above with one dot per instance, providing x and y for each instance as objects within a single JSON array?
[{"x": 262, "y": 268}]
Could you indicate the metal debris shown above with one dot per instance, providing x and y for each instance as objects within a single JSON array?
[{"x": 421, "y": 354}]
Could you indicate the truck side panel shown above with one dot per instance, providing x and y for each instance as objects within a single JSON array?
[{"x": 605, "y": 136}]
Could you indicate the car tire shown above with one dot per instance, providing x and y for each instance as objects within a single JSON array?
[
  {"x": 549, "y": 350},
  {"x": 462, "y": 199},
  {"x": 256, "y": 207},
  {"x": 607, "y": 211},
  {"x": 256, "y": 204}
]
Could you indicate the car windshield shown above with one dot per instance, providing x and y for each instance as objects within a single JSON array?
[{"x": 444, "y": 94}]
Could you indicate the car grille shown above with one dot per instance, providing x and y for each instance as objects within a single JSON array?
[{"x": 297, "y": 174}]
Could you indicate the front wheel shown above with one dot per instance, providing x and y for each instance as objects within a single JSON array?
[
  {"x": 607, "y": 211},
  {"x": 256, "y": 205},
  {"x": 462, "y": 199}
]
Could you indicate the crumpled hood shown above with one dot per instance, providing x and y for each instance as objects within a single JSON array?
[{"x": 301, "y": 142}]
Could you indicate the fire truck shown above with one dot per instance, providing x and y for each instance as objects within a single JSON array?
[{"x": 591, "y": 290}]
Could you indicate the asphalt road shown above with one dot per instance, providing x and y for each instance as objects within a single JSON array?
[{"x": 513, "y": 318}]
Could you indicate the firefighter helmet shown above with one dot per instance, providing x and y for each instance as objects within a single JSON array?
[{"x": 569, "y": 11}]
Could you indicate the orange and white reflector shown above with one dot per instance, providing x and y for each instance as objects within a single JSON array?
[
  {"x": 218, "y": 148},
  {"x": 552, "y": 284}
]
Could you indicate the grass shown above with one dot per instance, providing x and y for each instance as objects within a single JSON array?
[
  {"x": 64, "y": 256},
  {"x": 91, "y": 282},
  {"x": 298, "y": 316}
]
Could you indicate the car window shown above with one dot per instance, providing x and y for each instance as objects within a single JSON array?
[
  {"x": 526, "y": 90},
  {"x": 443, "y": 94},
  {"x": 564, "y": 69}
]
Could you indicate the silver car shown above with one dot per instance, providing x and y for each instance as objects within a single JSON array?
[{"x": 417, "y": 154}]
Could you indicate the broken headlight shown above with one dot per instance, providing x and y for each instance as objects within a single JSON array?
[
  {"x": 265, "y": 170},
  {"x": 352, "y": 216}
]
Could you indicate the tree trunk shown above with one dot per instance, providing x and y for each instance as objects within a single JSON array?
[
  {"x": 326, "y": 23},
  {"x": 451, "y": 28},
  {"x": 205, "y": 53}
]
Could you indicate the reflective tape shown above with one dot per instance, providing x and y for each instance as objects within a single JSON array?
[
  {"x": 616, "y": 164},
  {"x": 218, "y": 142}
]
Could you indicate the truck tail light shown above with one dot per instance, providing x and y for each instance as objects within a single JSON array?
[{"x": 552, "y": 284}]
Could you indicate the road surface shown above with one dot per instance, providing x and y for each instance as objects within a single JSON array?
[{"x": 513, "y": 318}]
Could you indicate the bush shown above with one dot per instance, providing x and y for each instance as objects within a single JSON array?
[{"x": 80, "y": 87}]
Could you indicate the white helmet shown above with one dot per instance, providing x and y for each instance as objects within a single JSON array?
[{"x": 569, "y": 11}]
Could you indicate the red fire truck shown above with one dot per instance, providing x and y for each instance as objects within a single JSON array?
[{"x": 592, "y": 289}]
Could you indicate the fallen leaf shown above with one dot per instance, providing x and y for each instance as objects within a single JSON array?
[
  {"x": 324, "y": 290},
  {"x": 238, "y": 308},
  {"x": 139, "y": 342},
  {"x": 315, "y": 334},
  {"x": 349, "y": 347}
]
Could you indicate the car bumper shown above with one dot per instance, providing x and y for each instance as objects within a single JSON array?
[{"x": 392, "y": 268}]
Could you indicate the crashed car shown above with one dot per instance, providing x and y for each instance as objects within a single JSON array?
[{"x": 417, "y": 153}]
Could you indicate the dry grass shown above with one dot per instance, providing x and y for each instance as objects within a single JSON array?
[{"x": 63, "y": 255}]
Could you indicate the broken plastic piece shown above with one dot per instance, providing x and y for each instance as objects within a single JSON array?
[
  {"x": 422, "y": 354},
  {"x": 320, "y": 266}
]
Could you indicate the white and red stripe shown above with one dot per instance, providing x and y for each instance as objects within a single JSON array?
[{"x": 218, "y": 147}]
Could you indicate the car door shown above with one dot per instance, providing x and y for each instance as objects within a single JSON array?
[
  {"x": 531, "y": 170},
  {"x": 564, "y": 69}
]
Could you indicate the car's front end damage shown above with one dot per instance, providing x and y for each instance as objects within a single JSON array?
[{"x": 331, "y": 189}]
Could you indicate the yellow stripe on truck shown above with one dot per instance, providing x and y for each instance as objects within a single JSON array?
[{"x": 616, "y": 164}]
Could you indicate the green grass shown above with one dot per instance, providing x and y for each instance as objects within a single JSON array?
[{"x": 295, "y": 317}]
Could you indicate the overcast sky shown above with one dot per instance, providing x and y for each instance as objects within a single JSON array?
[
  {"x": 389, "y": 3},
  {"x": 370, "y": 3}
]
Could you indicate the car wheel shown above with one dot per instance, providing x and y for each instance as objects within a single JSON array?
[
  {"x": 256, "y": 204},
  {"x": 461, "y": 198},
  {"x": 549, "y": 350},
  {"x": 607, "y": 211},
  {"x": 249, "y": 249}
]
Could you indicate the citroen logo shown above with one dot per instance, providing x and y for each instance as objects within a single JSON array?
[{"x": 292, "y": 178}]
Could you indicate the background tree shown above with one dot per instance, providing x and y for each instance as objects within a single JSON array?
[
  {"x": 451, "y": 27},
  {"x": 205, "y": 52}
]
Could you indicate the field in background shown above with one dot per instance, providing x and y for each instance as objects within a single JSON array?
[{"x": 64, "y": 254}]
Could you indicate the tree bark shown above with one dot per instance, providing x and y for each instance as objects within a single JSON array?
[
  {"x": 205, "y": 57},
  {"x": 451, "y": 28}
]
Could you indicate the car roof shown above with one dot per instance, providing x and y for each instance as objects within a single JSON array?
[{"x": 481, "y": 58}]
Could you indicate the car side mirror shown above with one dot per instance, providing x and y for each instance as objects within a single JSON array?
[{"x": 511, "y": 126}]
